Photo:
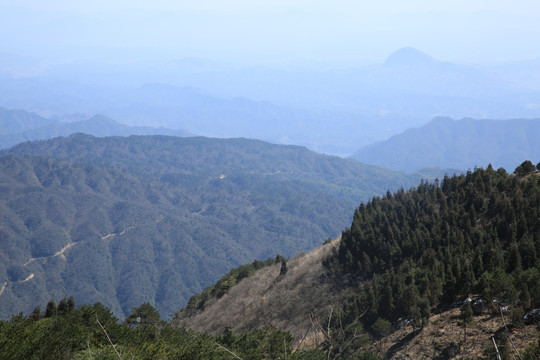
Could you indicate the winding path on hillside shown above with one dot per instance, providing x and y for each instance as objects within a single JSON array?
[
  {"x": 120, "y": 233},
  {"x": 58, "y": 253},
  {"x": 65, "y": 248},
  {"x": 28, "y": 278},
  {"x": 5, "y": 284}
]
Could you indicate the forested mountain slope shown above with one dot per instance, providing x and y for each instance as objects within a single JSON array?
[
  {"x": 476, "y": 233},
  {"x": 462, "y": 144},
  {"x": 129, "y": 220},
  {"x": 199, "y": 160},
  {"x": 406, "y": 256}
]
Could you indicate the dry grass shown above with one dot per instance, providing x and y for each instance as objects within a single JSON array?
[
  {"x": 445, "y": 329},
  {"x": 287, "y": 301},
  {"x": 290, "y": 302}
]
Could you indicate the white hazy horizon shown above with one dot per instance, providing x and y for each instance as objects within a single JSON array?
[{"x": 292, "y": 32}]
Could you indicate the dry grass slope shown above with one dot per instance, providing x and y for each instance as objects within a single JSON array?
[
  {"x": 445, "y": 331},
  {"x": 286, "y": 301},
  {"x": 300, "y": 299}
]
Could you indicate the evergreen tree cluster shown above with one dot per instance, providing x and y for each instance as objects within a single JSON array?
[{"x": 476, "y": 233}]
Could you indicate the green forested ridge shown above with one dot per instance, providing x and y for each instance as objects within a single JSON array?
[
  {"x": 411, "y": 251},
  {"x": 155, "y": 219},
  {"x": 190, "y": 161},
  {"x": 406, "y": 254},
  {"x": 411, "y": 254}
]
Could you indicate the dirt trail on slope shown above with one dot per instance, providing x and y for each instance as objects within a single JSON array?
[
  {"x": 65, "y": 248},
  {"x": 28, "y": 278},
  {"x": 5, "y": 284},
  {"x": 58, "y": 253},
  {"x": 115, "y": 234}
]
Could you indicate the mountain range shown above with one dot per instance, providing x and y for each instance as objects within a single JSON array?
[
  {"x": 462, "y": 144},
  {"x": 127, "y": 220},
  {"x": 290, "y": 106},
  {"x": 17, "y": 126}
]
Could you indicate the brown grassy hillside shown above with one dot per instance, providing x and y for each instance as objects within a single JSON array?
[
  {"x": 290, "y": 302},
  {"x": 299, "y": 300},
  {"x": 444, "y": 337}
]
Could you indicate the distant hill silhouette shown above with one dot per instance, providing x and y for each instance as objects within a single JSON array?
[
  {"x": 409, "y": 56},
  {"x": 16, "y": 121},
  {"x": 461, "y": 144},
  {"x": 332, "y": 111},
  {"x": 18, "y": 125}
]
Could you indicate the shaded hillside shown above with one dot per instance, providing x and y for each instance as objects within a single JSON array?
[
  {"x": 407, "y": 256},
  {"x": 198, "y": 159},
  {"x": 17, "y": 126},
  {"x": 156, "y": 219},
  {"x": 462, "y": 144}
]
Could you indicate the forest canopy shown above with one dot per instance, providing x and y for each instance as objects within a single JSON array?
[{"x": 472, "y": 234}]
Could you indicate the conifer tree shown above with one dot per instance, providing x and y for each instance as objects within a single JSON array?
[
  {"x": 51, "y": 309},
  {"x": 36, "y": 314}
]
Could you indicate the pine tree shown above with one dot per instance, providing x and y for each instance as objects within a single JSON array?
[
  {"x": 63, "y": 306},
  {"x": 36, "y": 314},
  {"x": 284, "y": 267},
  {"x": 51, "y": 309},
  {"x": 525, "y": 168},
  {"x": 143, "y": 314}
]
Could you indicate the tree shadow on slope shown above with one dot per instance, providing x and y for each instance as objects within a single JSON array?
[{"x": 400, "y": 344}]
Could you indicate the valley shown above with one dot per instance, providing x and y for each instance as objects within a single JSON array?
[
  {"x": 265, "y": 180},
  {"x": 128, "y": 220},
  {"x": 404, "y": 293}
]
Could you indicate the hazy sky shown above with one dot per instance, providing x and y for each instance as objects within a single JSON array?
[{"x": 277, "y": 31}]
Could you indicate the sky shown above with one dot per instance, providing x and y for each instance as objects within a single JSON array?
[{"x": 344, "y": 32}]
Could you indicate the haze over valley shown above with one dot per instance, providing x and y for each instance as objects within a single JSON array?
[
  {"x": 334, "y": 111},
  {"x": 269, "y": 180}
]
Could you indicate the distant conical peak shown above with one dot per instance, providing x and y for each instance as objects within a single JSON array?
[{"x": 409, "y": 56}]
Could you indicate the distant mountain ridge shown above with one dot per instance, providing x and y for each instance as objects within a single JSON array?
[
  {"x": 16, "y": 121},
  {"x": 412, "y": 70},
  {"x": 18, "y": 126},
  {"x": 462, "y": 144},
  {"x": 332, "y": 111}
]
